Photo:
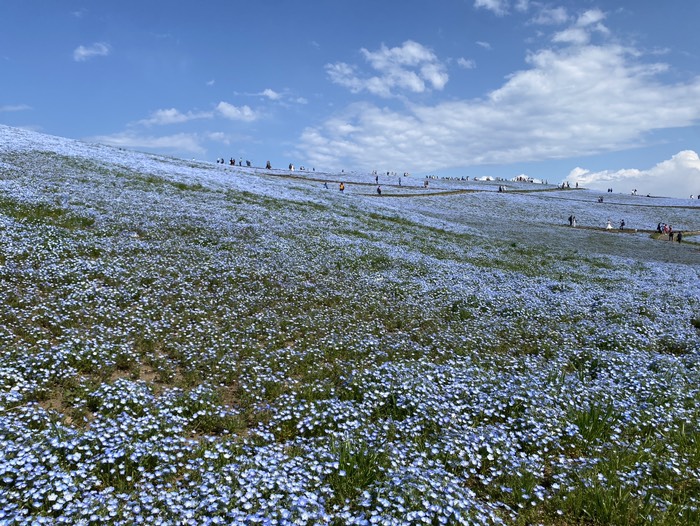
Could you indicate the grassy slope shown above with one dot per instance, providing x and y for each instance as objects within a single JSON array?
[{"x": 173, "y": 331}]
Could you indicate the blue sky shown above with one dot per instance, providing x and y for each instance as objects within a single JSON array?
[{"x": 603, "y": 93}]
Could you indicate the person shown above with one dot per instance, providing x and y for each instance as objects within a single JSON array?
[
  {"x": 658, "y": 227},
  {"x": 342, "y": 187},
  {"x": 571, "y": 220},
  {"x": 574, "y": 222},
  {"x": 379, "y": 190},
  {"x": 268, "y": 166},
  {"x": 670, "y": 233},
  {"x": 622, "y": 224},
  {"x": 608, "y": 226},
  {"x": 679, "y": 237},
  {"x": 325, "y": 185}
]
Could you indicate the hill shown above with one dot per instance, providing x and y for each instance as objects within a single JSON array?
[{"x": 185, "y": 342}]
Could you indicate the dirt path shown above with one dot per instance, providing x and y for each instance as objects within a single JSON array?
[{"x": 420, "y": 191}]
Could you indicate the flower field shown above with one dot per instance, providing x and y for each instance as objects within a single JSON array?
[{"x": 184, "y": 342}]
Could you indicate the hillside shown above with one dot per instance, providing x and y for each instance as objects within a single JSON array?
[{"x": 185, "y": 342}]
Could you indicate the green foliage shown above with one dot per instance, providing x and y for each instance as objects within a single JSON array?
[
  {"x": 43, "y": 213},
  {"x": 359, "y": 467},
  {"x": 595, "y": 423}
]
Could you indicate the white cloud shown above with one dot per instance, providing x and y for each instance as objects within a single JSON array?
[
  {"x": 485, "y": 45},
  {"x": 522, "y": 5},
  {"x": 580, "y": 32},
  {"x": 498, "y": 7},
  {"x": 572, "y": 101},
  {"x": 572, "y": 35},
  {"x": 271, "y": 94},
  {"x": 211, "y": 82},
  {"x": 551, "y": 16},
  {"x": 466, "y": 63},
  {"x": 236, "y": 113},
  {"x": 410, "y": 67},
  {"x": 183, "y": 142},
  {"x": 98, "y": 49},
  {"x": 675, "y": 177},
  {"x": 590, "y": 17},
  {"x": 344, "y": 74},
  {"x": 173, "y": 116},
  {"x": 14, "y": 107}
]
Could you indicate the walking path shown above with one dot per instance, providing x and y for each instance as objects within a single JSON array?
[{"x": 421, "y": 191}]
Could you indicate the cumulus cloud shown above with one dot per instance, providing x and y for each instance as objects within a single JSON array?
[
  {"x": 236, "y": 113},
  {"x": 498, "y": 7},
  {"x": 580, "y": 32},
  {"x": 466, "y": 63},
  {"x": 551, "y": 16},
  {"x": 410, "y": 67},
  {"x": 180, "y": 142},
  {"x": 569, "y": 101},
  {"x": 173, "y": 116},
  {"x": 271, "y": 94},
  {"x": 98, "y": 49},
  {"x": 678, "y": 176}
]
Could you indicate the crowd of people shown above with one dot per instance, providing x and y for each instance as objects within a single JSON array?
[
  {"x": 662, "y": 228},
  {"x": 667, "y": 230},
  {"x": 232, "y": 162}
]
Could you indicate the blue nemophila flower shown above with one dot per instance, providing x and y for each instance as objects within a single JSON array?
[{"x": 182, "y": 346}]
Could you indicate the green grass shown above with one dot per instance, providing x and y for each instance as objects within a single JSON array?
[
  {"x": 43, "y": 213},
  {"x": 359, "y": 467}
]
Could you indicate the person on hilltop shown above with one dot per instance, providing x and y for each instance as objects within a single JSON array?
[
  {"x": 268, "y": 166},
  {"x": 379, "y": 190},
  {"x": 342, "y": 187},
  {"x": 679, "y": 237},
  {"x": 622, "y": 224}
]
